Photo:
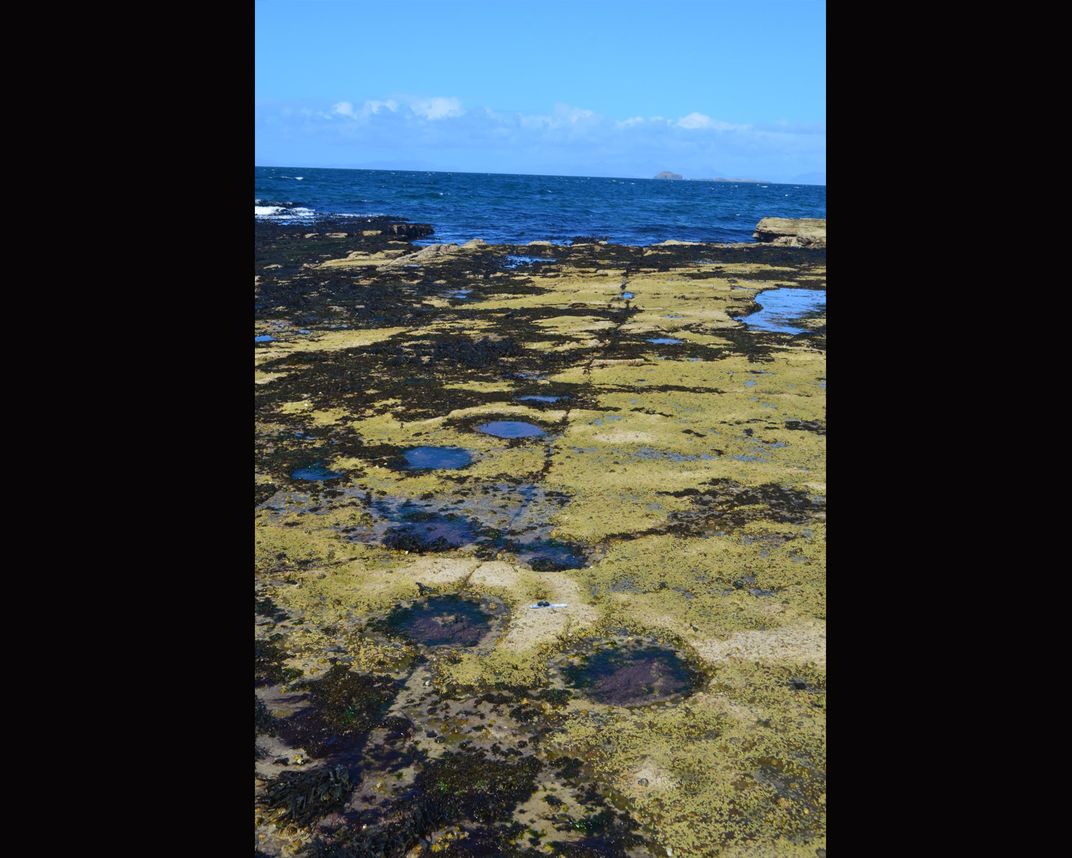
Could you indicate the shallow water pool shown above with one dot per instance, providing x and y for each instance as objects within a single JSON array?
[{"x": 780, "y": 307}]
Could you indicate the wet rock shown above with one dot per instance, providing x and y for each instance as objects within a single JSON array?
[{"x": 411, "y": 230}]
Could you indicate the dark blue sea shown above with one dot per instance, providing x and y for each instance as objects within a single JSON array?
[{"x": 509, "y": 209}]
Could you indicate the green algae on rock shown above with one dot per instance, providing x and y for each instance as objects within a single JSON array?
[{"x": 676, "y": 496}]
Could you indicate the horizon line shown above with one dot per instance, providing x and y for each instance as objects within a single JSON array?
[{"x": 540, "y": 175}]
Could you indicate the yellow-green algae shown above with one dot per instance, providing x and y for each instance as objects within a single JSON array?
[{"x": 737, "y": 768}]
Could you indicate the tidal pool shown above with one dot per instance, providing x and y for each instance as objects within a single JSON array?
[
  {"x": 428, "y": 531},
  {"x": 631, "y": 674},
  {"x": 779, "y": 307},
  {"x": 442, "y": 621},
  {"x": 664, "y": 341},
  {"x": 429, "y": 458},
  {"x": 264, "y": 338},
  {"x": 511, "y": 429},
  {"x": 316, "y": 473}
]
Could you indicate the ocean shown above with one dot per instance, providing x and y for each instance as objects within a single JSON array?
[{"x": 515, "y": 209}]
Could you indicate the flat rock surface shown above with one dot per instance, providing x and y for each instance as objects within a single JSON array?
[
  {"x": 792, "y": 232},
  {"x": 676, "y": 498}
]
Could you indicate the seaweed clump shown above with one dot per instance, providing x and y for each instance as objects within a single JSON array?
[
  {"x": 343, "y": 708},
  {"x": 305, "y": 797},
  {"x": 268, "y": 666},
  {"x": 726, "y": 503},
  {"x": 460, "y": 787}
]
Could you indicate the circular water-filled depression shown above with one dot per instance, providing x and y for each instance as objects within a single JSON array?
[
  {"x": 511, "y": 429},
  {"x": 631, "y": 673},
  {"x": 430, "y": 531},
  {"x": 629, "y": 296},
  {"x": 445, "y": 620},
  {"x": 316, "y": 473},
  {"x": 435, "y": 458}
]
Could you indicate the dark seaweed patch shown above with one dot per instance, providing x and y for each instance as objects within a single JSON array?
[
  {"x": 459, "y": 787},
  {"x": 551, "y": 555},
  {"x": 268, "y": 660},
  {"x": 343, "y": 706},
  {"x": 806, "y": 426},
  {"x": 305, "y": 797},
  {"x": 726, "y": 503}
]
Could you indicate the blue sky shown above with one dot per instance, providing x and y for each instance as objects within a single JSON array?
[{"x": 705, "y": 88}]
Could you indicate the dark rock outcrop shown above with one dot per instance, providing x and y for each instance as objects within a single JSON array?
[{"x": 411, "y": 230}]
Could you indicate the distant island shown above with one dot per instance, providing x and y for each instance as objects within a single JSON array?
[{"x": 666, "y": 174}]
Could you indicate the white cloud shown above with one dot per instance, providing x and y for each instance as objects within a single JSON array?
[
  {"x": 700, "y": 120},
  {"x": 436, "y": 108},
  {"x": 694, "y": 120},
  {"x": 566, "y": 139},
  {"x": 374, "y": 107},
  {"x": 635, "y": 121}
]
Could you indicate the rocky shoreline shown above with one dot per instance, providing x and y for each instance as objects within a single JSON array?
[{"x": 540, "y": 546}]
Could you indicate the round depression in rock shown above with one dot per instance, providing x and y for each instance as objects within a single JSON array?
[
  {"x": 632, "y": 674},
  {"x": 316, "y": 473},
  {"x": 434, "y": 458},
  {"x": 442, "y": 621},
  {"x": 510, "y": 429}
]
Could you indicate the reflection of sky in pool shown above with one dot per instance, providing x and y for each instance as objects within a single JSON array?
[
  {"x": 779, "y": 307},
  {"x": 664, "y": 341},
  {"x": 263, "y": 338},
  {"x": 510, "y": 429},
  {"x": 315, "y": 473},
  {"x": 533, "y": 398},
  {"x": 419, "y": 458}
]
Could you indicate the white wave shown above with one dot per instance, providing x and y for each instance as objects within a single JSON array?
[{"x": 283, "y": 213}]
